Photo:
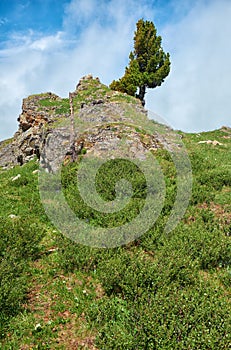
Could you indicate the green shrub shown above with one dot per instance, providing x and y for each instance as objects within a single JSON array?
[
  {"x": 19, "y": 245},
  {"x": 217, "y": 178}
]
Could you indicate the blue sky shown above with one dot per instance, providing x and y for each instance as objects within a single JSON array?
[
  {"x": 48, "y": 45},
  {"x": 20, "y": 16}
]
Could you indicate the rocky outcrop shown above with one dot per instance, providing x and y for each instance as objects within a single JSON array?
[
  {"x": 101, "y": 118},
  {"x": 36, "y": 115},
  {"x": 7, "y": 155}
]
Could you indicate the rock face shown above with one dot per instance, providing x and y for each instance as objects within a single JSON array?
[
  {"x": 102, "y": 117},
  {"x": 7, "y": 155},
  {"x": 38, "y": 112},
  {"x": 35, "y": 116}
]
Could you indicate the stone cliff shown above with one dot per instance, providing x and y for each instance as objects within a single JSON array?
[{"x": 106, "y": 115}]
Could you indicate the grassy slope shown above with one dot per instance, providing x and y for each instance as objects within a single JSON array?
[{"x": 157, "y": 293}]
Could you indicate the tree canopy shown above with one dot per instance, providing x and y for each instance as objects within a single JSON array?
[{"x": 148, "y": 65}]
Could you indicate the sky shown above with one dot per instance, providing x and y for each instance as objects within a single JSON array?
[{"x": 48, "y": 45}]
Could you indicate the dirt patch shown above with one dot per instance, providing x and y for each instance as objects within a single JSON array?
[
  {"x": 69, "y": 329},
  {"x": 68, "y": 338},
  {"x": 219, "y": 211}
]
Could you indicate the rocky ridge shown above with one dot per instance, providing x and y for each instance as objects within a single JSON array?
[{"x": 101, "y": 116}]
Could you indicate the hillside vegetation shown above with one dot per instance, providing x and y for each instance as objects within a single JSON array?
[{"x": 162, "y": 291}]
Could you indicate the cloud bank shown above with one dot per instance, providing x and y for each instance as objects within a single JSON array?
[
  {"x": 97, "y": 36},
  {"x": 197, "y": 94}
]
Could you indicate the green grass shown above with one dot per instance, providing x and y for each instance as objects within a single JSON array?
[
  {"x": 106, "y": 180},
  {"x": 62, "y": 106},
  {"x": 159, "y": 292},
  {"x": 120, "y": 97},
  {"x": 91, "y": 91}
]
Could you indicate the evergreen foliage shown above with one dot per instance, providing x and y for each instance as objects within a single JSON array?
[{"x": 149, "y": 65}]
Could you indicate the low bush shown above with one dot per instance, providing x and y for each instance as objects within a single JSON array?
[{"x": 19, "y": 245}]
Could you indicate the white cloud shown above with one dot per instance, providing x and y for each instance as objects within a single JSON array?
[
  {"x": 79, "y": 11},
  {"x": 32, "y": 63},
  {"x": 97, "y": 37},
  {"x": 197, "y": 96},
  {"x": 48, "y": 43}
]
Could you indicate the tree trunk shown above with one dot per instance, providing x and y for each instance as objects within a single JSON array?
[{"x": 142, "y": 92}]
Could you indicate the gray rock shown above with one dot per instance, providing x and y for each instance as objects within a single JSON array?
[{"x": 102, "y": 119}]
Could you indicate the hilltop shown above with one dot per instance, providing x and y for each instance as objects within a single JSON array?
[
  {"x": 94, "y": 103},
  {"x": 162, "y": 290}
]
